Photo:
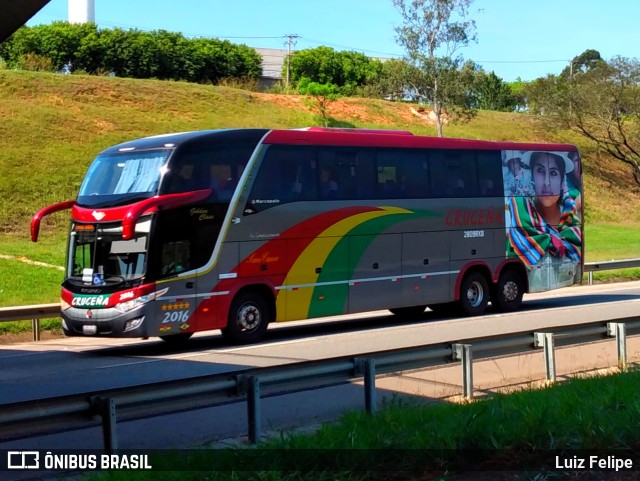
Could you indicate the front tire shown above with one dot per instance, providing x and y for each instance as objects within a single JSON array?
[
  {"x": 474, "y": 294},
  {"x": 248, "y": 318},
  {"x": 509, "y": 292}
]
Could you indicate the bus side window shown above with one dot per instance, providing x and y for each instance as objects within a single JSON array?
[
  {"x": 417, "y": 176},
  {"x": 490, "y": 173},
  {"x": 176, "y": 257},
  {"x": 365, "y": 172},
  {"x": 438, "y": 174},
  {"x": 338, "y": 173},
  {"x": 328, "y": 188},
  {"x": 402, "y": 174},
  {"x": 460, "y": 173},
  {"x": 286, "y": 174}
]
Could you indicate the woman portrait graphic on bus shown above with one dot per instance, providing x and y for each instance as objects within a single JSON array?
[
  {"x": 517, "y": 178},
  {"x": 544, "y": 230}
]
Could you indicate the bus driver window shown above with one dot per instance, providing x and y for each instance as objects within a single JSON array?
[{"x": 175, "y": 257}]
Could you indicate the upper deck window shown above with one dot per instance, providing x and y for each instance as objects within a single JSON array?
[{"x": 122, "y": 177}]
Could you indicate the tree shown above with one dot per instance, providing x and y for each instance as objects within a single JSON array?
[
  {"x": 518, "y": 90},
  {"x": 602, "y": 104},
  {"x": 59, "y": 41},
  {"x": 582, "y": 63},
  {"x": 427, "y": 28},
  {"x": 395, "y": 79},
  {"x": 131, "y": 53},
  {"x": 346, "y": 70},
  {"x": 319, "y": 96},
  {"x": 492, "y": 93}
]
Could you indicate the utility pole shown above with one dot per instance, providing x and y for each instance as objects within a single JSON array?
[{"x": 290, "y": 42}]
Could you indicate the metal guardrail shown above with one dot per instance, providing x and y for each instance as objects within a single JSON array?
[
  {"x": 107, "y": 407},
  {"x": 33, "y": 313},
  {"x": 592, "y": 267},
  {"x": 45, "y": 311}
]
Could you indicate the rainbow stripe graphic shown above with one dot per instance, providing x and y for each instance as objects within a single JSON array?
[{"x": 334, "y": 242}]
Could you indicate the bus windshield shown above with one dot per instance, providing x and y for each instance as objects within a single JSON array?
[
  {"x": 117, "y": 179},
  {"x": 98, "y": 256}
]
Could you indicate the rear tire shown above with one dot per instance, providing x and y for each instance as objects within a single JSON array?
[
  {"x": 509, "y": 291},
  {"x": 248, "y": 318},
  {"x": 474, "y": 294},
  {"x": 408, "y": 312}
]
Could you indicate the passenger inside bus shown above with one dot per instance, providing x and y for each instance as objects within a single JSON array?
[
  {"x": 175, "y": 257},
  {"x": 329, "y": 188},
  {"x": 456, "y": 188},
  {"x": 188, "y": 179}
]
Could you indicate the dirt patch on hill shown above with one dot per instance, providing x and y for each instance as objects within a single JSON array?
[{"x": 348, "y": 109}]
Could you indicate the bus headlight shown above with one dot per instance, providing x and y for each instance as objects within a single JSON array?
[
  {"x": 134, "y": 303},
  {"x": 133, "y": 324},
  {"x": 139, "y": 301}
]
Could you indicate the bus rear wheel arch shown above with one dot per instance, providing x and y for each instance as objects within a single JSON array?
[
  {"x": 474, "y": 294},
  {"x": 507, "y": 296},
  {"x": 249, "y": 317}
]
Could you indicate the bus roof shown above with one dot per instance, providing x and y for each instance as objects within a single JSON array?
[
  {"x": 172, "y": 140},
  {"x": 395, "y": 138},
  {"x": 335, "y": 137}
]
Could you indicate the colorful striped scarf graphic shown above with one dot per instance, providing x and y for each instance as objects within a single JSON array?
[{"x": 530, "y": 237}]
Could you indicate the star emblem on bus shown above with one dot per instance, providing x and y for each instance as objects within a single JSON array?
[{"x": 98, "y": 215}]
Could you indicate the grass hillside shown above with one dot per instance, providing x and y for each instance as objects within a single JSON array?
[{"x": 54, "y": 125}]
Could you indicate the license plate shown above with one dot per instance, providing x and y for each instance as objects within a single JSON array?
[{"x": 90, "y": 330}]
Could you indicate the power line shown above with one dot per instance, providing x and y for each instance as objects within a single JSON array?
[
  {"x": 319, "y": 42},
  {"x": 521, "y": 61}
]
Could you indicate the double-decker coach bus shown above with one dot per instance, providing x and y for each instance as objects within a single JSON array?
[{"x": 233, "y": 229}]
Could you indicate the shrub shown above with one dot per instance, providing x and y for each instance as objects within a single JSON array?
[{"x": 35, "y": 63}]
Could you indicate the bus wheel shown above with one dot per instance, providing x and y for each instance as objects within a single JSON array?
[
  {"x": 474, "y": 294},
  {"x": 509, "y": 291},
  {"x": 248, "y": 318},
  {"x": 176, "y": 339},
  {"x": 408, "y": 312}
]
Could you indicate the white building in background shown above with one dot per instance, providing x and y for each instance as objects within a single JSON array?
[{"x": 82, "y": 11}]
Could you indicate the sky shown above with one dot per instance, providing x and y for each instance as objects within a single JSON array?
[{"x": 516, "y": 39}]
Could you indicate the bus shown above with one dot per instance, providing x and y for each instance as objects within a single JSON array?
[{"x": 234, "y": 229}]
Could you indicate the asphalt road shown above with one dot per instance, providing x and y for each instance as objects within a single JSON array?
[{"x": 76, "y": 365}]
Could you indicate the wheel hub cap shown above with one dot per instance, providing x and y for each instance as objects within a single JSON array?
[
  {"x": 475, "y": 294},
  {"x": 248, "y": 317},
  {"x": 510, "y": 291}
]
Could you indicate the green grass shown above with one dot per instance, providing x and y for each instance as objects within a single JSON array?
[
  {"x": 589, "y": 413},
  {"x": 605, "y": 242}
]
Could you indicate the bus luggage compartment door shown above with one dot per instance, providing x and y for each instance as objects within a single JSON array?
[
  {"x": 425, "y": 269},
  {"x": 375, "y": 263}
]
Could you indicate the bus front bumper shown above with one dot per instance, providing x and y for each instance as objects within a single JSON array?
[{"x": 108, "y": 322}]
